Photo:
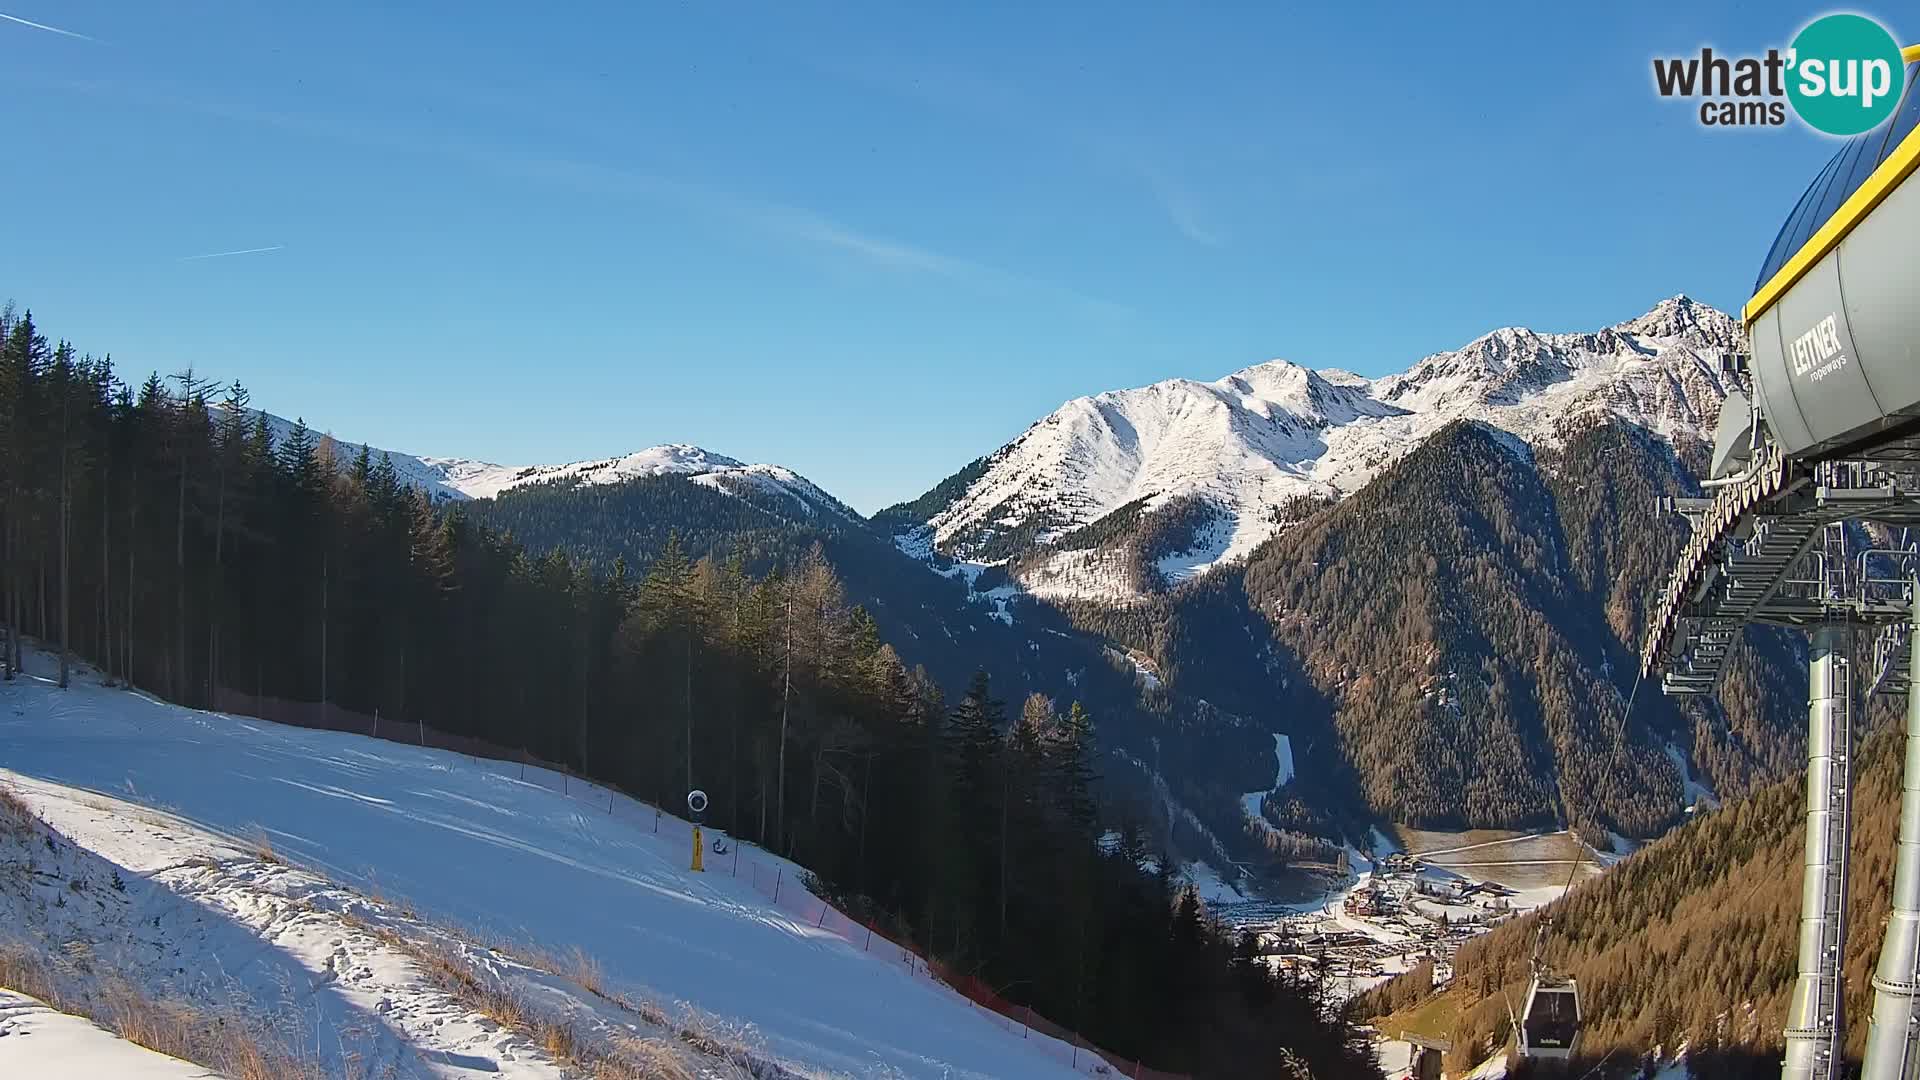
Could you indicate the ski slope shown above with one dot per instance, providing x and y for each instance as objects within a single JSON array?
[{"x": 466, "y": 844}]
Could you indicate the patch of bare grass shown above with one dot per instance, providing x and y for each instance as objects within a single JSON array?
[
  {"x": 582, "y": 968},
  {"x": 16, "y": 817},
  {"x": 229, "y": 1043},
  {"x": 260, "y": 846},
  {"x": 615, "y": 1058}
]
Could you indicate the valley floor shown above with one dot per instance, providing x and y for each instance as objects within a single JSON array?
[{"x": 225, "y": 859}]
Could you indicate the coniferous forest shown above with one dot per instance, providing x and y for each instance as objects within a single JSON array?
[{"x": 161, "y": 533}]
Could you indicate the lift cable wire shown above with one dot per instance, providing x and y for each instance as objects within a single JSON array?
[{"x": 1547, "y": 921}]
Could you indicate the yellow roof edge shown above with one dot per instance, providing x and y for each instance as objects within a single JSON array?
[{"x": 1898, "y": 166}]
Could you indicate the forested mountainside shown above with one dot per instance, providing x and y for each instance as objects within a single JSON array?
[
  {"x": 1692, "y": 939},
  {"x": 1457, "y": 640},
  {"x": 1449, "y": 644},
  {"x": 178, "y": 545},
  {"x": 1178, "y": 763}
]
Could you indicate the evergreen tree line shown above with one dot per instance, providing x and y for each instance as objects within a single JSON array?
[{"x": 167, "y": 534}]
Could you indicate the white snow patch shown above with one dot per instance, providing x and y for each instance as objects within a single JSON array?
[
  {"x": 1383, "y": 844},
  {"x": 1081, "y": 574},
  {"x": 1210, "y": 546},
  {"x": 1694, "y": 793},
  {"x": 1209, "y": 886},
  {"x": 918, "y": 544},
  {"x": 1283, "y": 758},
  {"x": 1142, "y": 667}
]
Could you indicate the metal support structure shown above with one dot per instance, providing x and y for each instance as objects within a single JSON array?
[
  {"x": 1783, "y": 547},
  {"x": 1893, "y": 1036},
  {"x": 1816, "y": 1021},
  {"x": 1798, "y": 455}
]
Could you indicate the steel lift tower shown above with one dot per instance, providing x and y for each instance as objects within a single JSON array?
[{"x": 1813, "y": 524}]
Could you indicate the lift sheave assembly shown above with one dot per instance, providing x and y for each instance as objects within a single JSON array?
[{"x": 1813, "y": 523}]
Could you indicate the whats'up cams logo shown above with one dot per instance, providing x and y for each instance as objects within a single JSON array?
[{"x": 1842, "y": 75}]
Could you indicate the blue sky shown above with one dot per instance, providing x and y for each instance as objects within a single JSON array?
[{"x": 868, "y": 241}]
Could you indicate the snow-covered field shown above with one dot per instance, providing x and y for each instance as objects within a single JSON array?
[
  {"x": 1537, "y": 866},
  {"x": 381, "y": 839}
]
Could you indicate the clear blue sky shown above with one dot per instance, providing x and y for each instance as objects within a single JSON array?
[{"x": 866, "y": 241}]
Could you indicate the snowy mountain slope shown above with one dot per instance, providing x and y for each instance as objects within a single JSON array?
[
  {"x": 479, "y": 480},
  {"x": 1246, "y": 443},
  {"x": 472, "y": 844},
  {"x": 467, "y": 478},
  {"x": 435, "y": 479}
]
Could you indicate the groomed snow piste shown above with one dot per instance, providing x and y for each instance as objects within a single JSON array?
[{"x": 466, "y": 844}]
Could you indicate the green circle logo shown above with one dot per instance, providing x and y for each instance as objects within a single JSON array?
[{"x": 1845, "y": 74}]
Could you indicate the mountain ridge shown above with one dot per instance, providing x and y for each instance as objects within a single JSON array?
[{"x": 1249, "y": 441}]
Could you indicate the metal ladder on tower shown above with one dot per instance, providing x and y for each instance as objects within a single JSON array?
[
  {"x": 1833, "y": 948},
  {"x": 1828, "y": 1063}
]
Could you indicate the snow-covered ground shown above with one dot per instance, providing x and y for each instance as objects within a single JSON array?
[
  {"x": 1694, "y": 793},
  {"x": 1207, "y": 883},
  {"x": 40, "y": 1041},
  {"x": 1283, "y": 772},
  {"x": 412, "y": 840}
]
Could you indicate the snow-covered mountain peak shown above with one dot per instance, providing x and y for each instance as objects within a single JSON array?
[
  {"x": 775, "y": 486},
  {"x": 481, "y": 480},
  {"x": 1228, "y": 453},
  {"x": 1306, "y": 394},
  {"x": 1681, "y": 316}
]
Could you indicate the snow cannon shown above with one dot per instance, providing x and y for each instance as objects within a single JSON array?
[{"x": 697, "y": 806}]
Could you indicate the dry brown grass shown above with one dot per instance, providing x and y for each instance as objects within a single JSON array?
[
  {"x": 582, "y": 968},
  {"x": 649, "y": 1059},
  {"x": 260, "y": 846},
  {"x": 557, "y": 1039},
  {"x": 229, "y": 1043},
  {"x": 448, "y": 970},
  {"x": 619, "y": 1058},
  {"x": 16, "y": 816},
  {"x": 23, "y": 971}
]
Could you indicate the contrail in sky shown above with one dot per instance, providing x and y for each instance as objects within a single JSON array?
[
  {"x": 43, "y": 26},
  {"x": 224, "y": 254}
]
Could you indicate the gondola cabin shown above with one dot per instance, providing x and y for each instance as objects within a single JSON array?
[{"x": 1550, "y": 1025}]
